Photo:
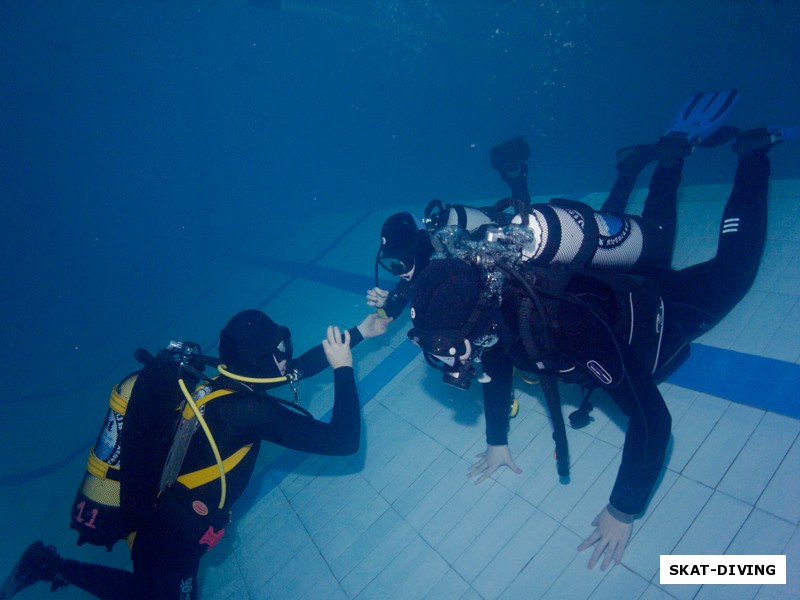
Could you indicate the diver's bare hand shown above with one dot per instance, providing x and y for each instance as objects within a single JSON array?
[
  {"x": 373, "y": 326},
  {"x": 337, "y": 348},
  {"x": 377, "y": 297},
  {"x": 490, "y": 460},
  {"x": 610, "y": 536}
]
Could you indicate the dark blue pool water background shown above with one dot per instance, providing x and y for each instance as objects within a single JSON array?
[{"x": 146, "y": 147}]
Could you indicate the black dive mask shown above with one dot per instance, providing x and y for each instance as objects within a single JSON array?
[
  {"x": 396, "y": 266},
  {"x": 458, "y": 373},
  {"x": 442, "y": 351}
]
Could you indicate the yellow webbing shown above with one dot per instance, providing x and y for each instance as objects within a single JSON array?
[
  {"x": 99, "y": 468},
  {"x": 118, "y": 401},
  {"x": 188, "y": 413},
  {"x": 197, "y": 478}
]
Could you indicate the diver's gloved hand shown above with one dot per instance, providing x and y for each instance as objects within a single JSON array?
[
  {"x": 337, "y": 348},
  {"x": 376, "y": 297},
  {"x": 492, "y": 459}
]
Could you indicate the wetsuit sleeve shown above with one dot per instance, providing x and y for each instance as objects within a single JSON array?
[
  {"x": 313, "y": 361},
  {"x": 497, "y": 396},
  {"x": 398, "y": 299},
  {"x": 645, "y": 440},
  {"x": 261, "y": 418}
]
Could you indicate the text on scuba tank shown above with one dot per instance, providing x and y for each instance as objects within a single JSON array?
[{"x": 80, "y": 518}]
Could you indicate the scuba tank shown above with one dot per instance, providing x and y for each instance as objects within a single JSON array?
[
  {"x": 96, "y": 508},
  {"x": 568, "y": 232},
  {"x": 121, "y": 482},
  {"x": 564, "y": 232},
  {"x": 145, "y": 434}
]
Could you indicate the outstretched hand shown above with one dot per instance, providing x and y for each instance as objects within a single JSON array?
[
  {"x": 377, "y": 297},
  {"x": 337, "y": 348},
  {"x": 611, "y": 536},
  {"x": 373, "y": 326},
  {"x": 492, "y": 459}
]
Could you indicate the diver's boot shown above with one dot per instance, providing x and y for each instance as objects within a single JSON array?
[
  {"x": 719, "y": 136},
  {"x": 509, "y": 159},
  {"x": 632, "y": 159},
  {"x": 763, "y": 138},
  {"x": 38, "y": 563},
  {"x": 667, "y": 151}
]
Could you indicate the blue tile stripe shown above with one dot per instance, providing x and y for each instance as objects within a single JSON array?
[
  {"x": 336, "y": 278},
  {"x": 756, "y": 381},
  {"x": 744, "y": 378}
]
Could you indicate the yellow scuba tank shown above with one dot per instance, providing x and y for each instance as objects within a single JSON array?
[
  {"x": 96, "y": 508},
  {"x": 120, "y": 487}
]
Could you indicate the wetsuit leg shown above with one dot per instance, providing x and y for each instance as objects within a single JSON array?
[
  {"x": 698, "y": 297},
  {"x": 629, "y": 167},
  {"x": 102, "y": 582},
  {"x": 517, "y": 181},
  {"x": 164, "y": 568},
  {"x": 659, "y": 214},
  {"x": 661, "y": 206},
  {"x": 661, "y": 200},
  {"x": 165, "y": 562}
]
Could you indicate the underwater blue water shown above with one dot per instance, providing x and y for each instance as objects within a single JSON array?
[
  {"x": 145, "y": 145},
  {"x": 149, "y": 148}
]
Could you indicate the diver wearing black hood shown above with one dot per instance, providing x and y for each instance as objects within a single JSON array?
[
  {"x": 579, "y": 327},
  {"x": 404, "y": 252},
  {"x": 192, "y": 513},
  {"x": 565, "y": 231}
]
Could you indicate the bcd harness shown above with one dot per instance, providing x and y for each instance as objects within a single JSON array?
[
  {"x": 131, "y": 465},
  {"x": 201, "y": 477},
  {"x": 548, "y": 296}
]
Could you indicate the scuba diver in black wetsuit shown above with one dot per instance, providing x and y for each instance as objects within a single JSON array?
[
  {"x": 565, "y": 231},
  {"x": 193, "y": 510},
  {"x": 404, "y": 252},
  {"x": 406, "y": 249},
  {"x": 599, "y": 328}
]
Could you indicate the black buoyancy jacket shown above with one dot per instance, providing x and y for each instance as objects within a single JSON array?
[
  {"x": 603, "y": 331},
  {"x": 241, "y": 419}
]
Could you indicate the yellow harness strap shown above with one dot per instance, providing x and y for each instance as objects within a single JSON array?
[
  {"x": 197, "y": 478},
  {"x": 187, "y": 410}
]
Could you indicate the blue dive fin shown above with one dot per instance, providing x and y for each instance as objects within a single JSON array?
[{"x": 701, "y": 115}]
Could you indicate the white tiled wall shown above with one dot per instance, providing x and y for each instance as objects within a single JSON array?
[
  {"x": 401, "y": 520},
  {"x": 409, "y": 524}
]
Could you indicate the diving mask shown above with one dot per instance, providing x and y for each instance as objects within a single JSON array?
[
  {"x": 458, "y": 359},
  {"x": 396, "y": 266}
]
